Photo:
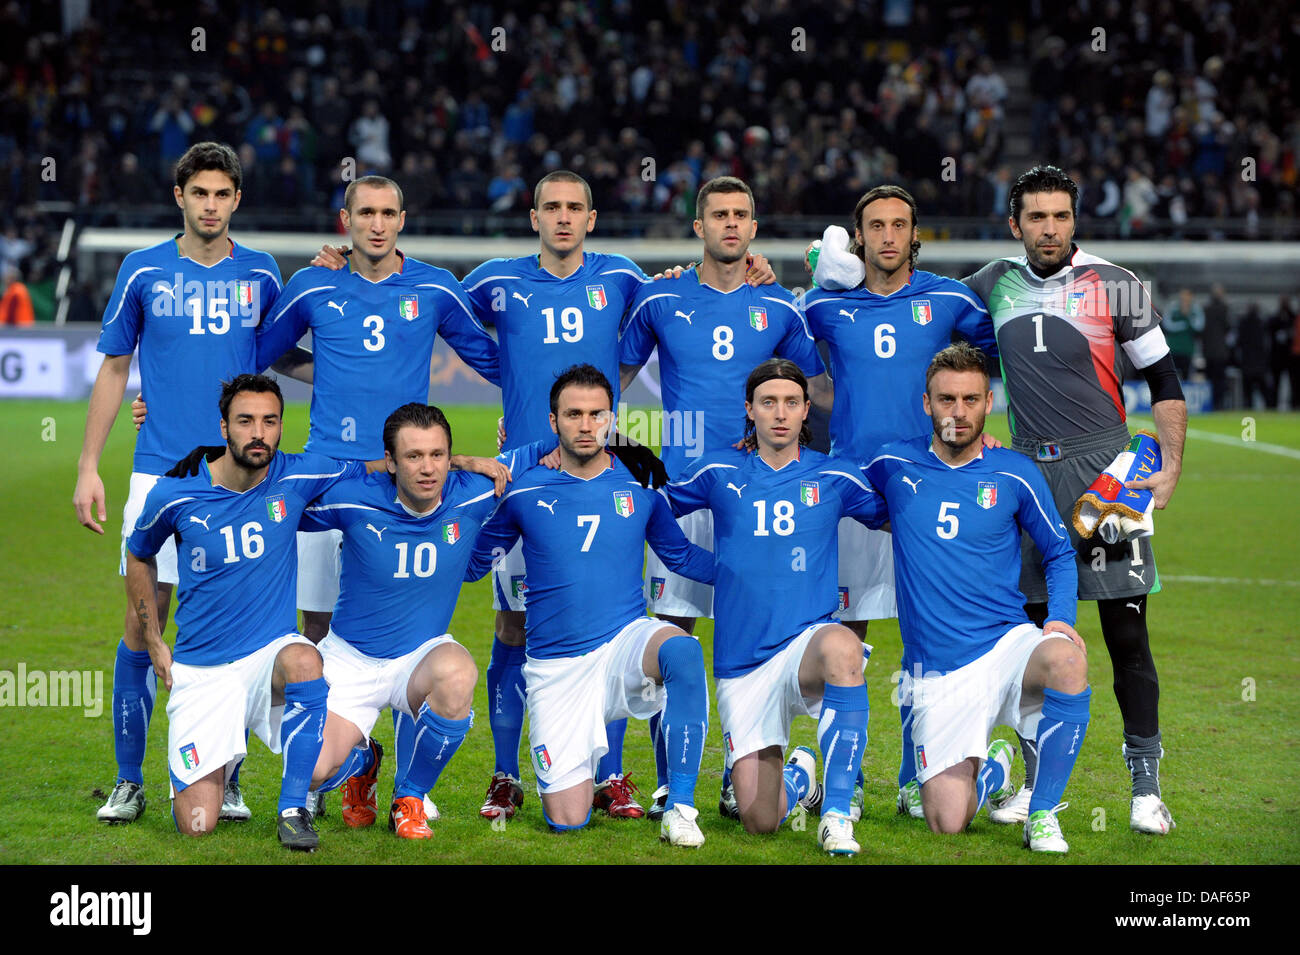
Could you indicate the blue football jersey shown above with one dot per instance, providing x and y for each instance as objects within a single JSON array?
[
  {"x": 371, "y": 344},
  {"x": 402, "y": 571},
  {"x": 957, "y": 549},
  {"x": 709, "y": 341},
  {"x": 584, "y": 545},
  {"x": 880, "y": 347},
  {"x": 547, "y": 324},
  {"x": 775, "y": 537},
  {"x": 237, "y": 553},
  {"x": 196, "y": 326}
]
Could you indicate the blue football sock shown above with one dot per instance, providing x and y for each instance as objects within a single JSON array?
[
  {"x": 661, "y": 754},
  {"x": 686, "y": 715},
  {"x": 990, "y": 779},
  {"x": 301, "y": 729},
  {"x": 234, "y": 774},
  {"x": 134, "y": 686},
  {"x": 726, "y": 774},
  {"x": 797, "y": 782},
  {"x": 436, "y": 741},
  {"x": 358, "y": 761},
  {"x": 907, "y": 764},
  {"x": 842, "y": 736},
  {"x": 556, "y": 827},
  {"x": 403, "y": 746},
  {"x": 1061, "y": 729},
  {"x": 506, "y": 697},
  {"x": 611, "y": 764}
]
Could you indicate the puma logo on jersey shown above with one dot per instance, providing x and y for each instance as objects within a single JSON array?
[
  {"x": 161, "y": 286},
  {"x": 912, "y": 484},
  {"x": 1009, "y": 300},
  {"x": 737, "y": 489},
  {"x": 525, "y": 298},
  {"x": 379, "y": 531},
  {"x": 687, "y": 315},
  {"x": 849, "y": 315},
  {"x": 1134, "y": 573},
  {"x": 1137, "y": 606},
  {"x": 550, "y": 507},
  {"x": 336, "y": 305},
  {"x": 204, "y": 522}
]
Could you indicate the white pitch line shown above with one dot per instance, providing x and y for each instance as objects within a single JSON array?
[
  {"x": 1279, "y": 449},
  {"x": 1234, "y": 581}
]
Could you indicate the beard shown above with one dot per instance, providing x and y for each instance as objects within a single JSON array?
[
  {"x": 242, "y": 455},
  {"x": 945, "y": 431}
]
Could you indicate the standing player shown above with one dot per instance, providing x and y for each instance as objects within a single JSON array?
[
  {"x": 591, "y": 655},
  {"x": 778, "y": 652},
  {"x": 239, "y": 663},
  {"x": 710, "y": 328},
  {"x": 192, "y": 305},
  {"x": 407, "y": 538},
  {"x": 1059, "y": 315},
  {"x": 881, "y": 336},
  {"x": 957, "y": 508}
]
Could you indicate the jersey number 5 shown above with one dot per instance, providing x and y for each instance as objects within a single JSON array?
[{"x": 947, "y": 527}]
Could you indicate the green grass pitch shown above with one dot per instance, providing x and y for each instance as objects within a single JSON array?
[{"x": 1223, "y": 633}]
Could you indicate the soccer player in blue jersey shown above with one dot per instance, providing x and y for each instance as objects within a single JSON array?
[
  {"x": 192, "y": 306},
  {"x": 373, "y": 326},
  {"x": 408, "y": 535},
  {"x": 881, "y": 336},
  {"x": 956, "y": 510},
  {"x": 778, "y": 652},
  {"x": 561, "y": 307},
  {"x": 711, "y": 328},
  {"x": 239, "y": 663},
  {"x": 592, "y": 657}
]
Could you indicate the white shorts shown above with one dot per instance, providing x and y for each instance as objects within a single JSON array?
[
  {"x": 952, "y": 713},
  {"x": 320, "y": 562},
  {"x": 756, "y": 709},
  {"x": 361, "y": 686},
  {"x": 570, "y": 699},
  {"x": 866, "y": 573},
  {"x": 141, "y": 485},
  {"x": 210, "y": 707},
  {"x": 508, "y": 586},
  {"x": 673, "y": 594}
]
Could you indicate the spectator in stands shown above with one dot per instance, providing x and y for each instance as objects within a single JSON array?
[
  {"x": 16, "y": 303},
  {"x": 1214, "y": 345},
  {"x": 1181, "y": 324}
]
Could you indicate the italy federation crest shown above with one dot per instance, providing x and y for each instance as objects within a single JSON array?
[
  {"x": 596, "y": 297},
  {"x": 921, "y": 313},
  {"x": 657, "y": 587},
  {"x": 1074, "y": 303},
  {"x": 844, "y": 599},
  {"x": 542, "y": 758},
  {"x": 276, "y": 508},
  {"x": 623, "y": 503},
  {"x": 409, "y": 307},
  {"x": 758, "y": 317},
  {"x": 244, "y": 293},
  {"x": 810, "y": 493},
  {"x": 189, "y": 756},
  {"x": 451, "y": 532},
  {"x": 987, "y": 494}
]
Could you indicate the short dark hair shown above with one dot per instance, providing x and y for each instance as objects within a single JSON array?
[
  {"x": 415, "y": 415},
  {"x": 722, "y": 184},
  {"x": 585, "y": 376},
  {"x": 562, "y": 175},
  {"x": 204, "y": 156},
  {"x": 885, "y": 192},
  {"x": 377, "y": 182},
  {"x": 260, "y": 384},
  {"x": 1043, "y": 179},
  {"x": 774, "y": 369},
  {"x": 959, "y": 356}
]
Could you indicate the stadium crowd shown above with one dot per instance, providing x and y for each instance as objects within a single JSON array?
[{"x": 1152, "y": 105}]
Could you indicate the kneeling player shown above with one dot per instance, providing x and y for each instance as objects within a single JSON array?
[
  {"x": 239, "y": 663},
  {"x": 778, "y": 652},
  {"x": 592, "y": 656},
  {"x": 407, "y": 539},
  {"x": 956, "y": 509}
]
